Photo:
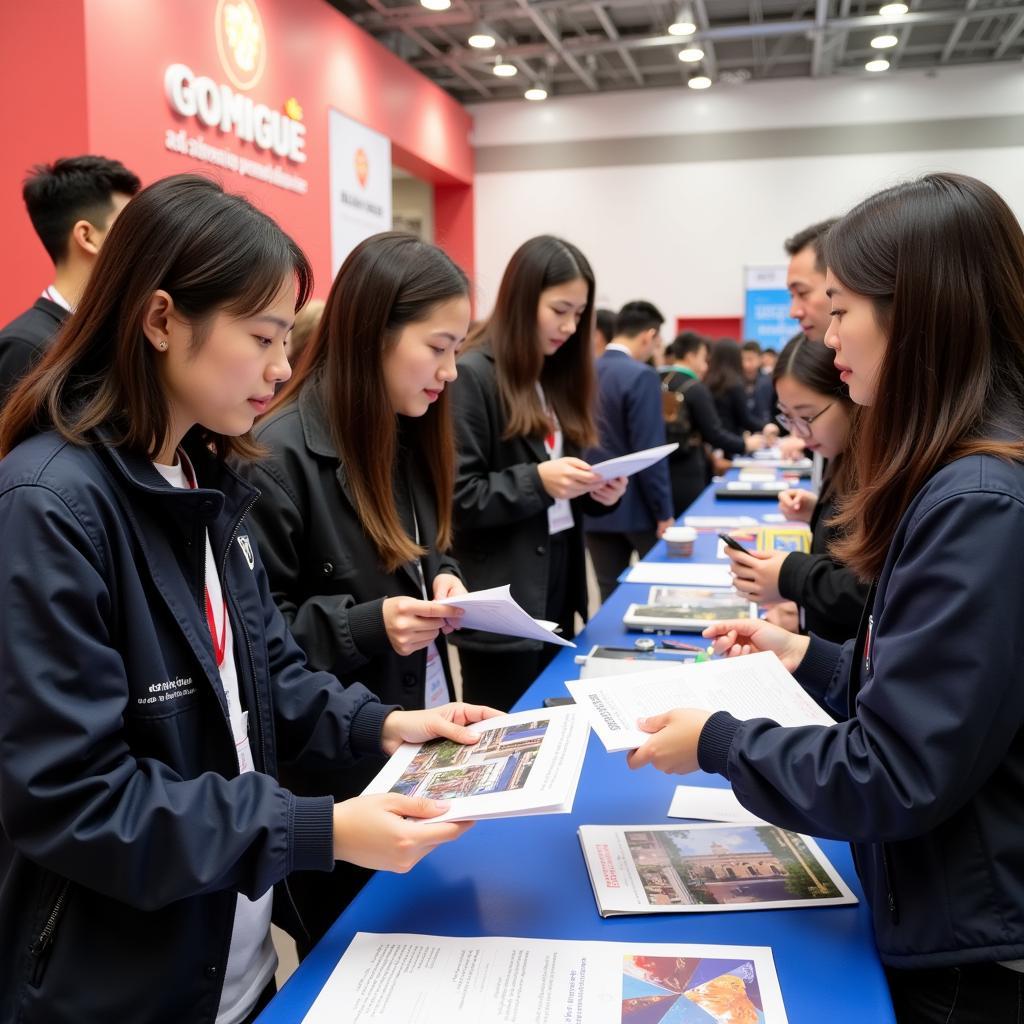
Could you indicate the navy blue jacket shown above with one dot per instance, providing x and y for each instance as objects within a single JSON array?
[
  {"x": 24, "y": 341},
  {"x": 629, "y": 420},
  {"x": 925, "y": 774},
  {"x": 125, "y": 828}
]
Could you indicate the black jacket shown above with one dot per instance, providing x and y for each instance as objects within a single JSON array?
[
  {"x": 324, "y": 573},
  {"x": 925, "y": 773},
  {"x": 501, "y": 507},
  {"x": 126, "y": 828},
  {"x": 734, "y": 412},
  {"x": 24, "y": 340},
  {"x": 831, "y": 596}
]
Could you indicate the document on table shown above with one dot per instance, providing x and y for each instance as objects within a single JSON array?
[
  {"x": 496, "y": 611},
  {"x": 683, "y": 574},
  {"x": 753, "y": 686},
  {"x": 793, "y": 465},
  {"x": 526, "y": 763},
  {"x": 706, "y": 803},
  {"x": 435, "y": 979},
  {"x": 719, "y": 522},
  {"x": 627, "y": 465}
]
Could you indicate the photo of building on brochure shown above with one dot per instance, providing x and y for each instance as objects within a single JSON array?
[
  {"x": 499, "y": 763},
  {"x": 690, "y": 990},
  {"x": 722, "y": 866}
]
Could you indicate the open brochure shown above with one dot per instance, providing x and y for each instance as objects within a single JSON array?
[
  {"x": 434, "y": 979},
  {"x": 679, "y": 869},
  {"x": 526, "y": 763},
  {"x": 753, "y": 686},
  {"x": 636, "y": 462},
  {"x": 496, "y": 611}
]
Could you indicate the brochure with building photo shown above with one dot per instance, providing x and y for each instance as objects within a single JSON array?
[
  {"x": 673, "y": 869},
  {"x": 433, "y": 979},
  {"x": 526, "y": 763},
  {"x": 688, "y": 608}
]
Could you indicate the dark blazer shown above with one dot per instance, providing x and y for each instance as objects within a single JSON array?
[
  {"x": 127, "y": 830},
  {"x": 630, "y": 419},
  {"x": 923, "y": 773},
  {"x": 24, "y": 340},
  {"x": 501, "y": 507},
  {"x": 831, "y": 596},
  {"x": 734, "y": 413},
  {"x": 324, "y": 573},
  {"x": 760, "y": 399}
]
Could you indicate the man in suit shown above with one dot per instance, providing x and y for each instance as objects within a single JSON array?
[
  {"x": 630, "y": 419},
  {"x": 71, "y": 203}
]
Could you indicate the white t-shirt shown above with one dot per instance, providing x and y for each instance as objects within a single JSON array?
[{"x": 252, "y": 959}]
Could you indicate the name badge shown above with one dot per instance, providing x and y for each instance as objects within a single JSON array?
[{"x": 436, "y": 692}]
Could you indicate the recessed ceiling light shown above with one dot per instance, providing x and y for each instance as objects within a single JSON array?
[
  {"x": 481, "y": 40},
  {"x": 536, "y": 94},
  {"x": 699, "y": 82},
  {"x": 893, "y": 10},
  {"x": 503, "y": 70},
  {"x": 691, "y": 55},
  {"x": 884, "y": 42},
  {"x": 877, "y": 65}
]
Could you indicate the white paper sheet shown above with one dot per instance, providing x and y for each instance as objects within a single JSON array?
[
  {"x": 718, "y": 522},
  {"x": 754, "y": 686},
  {"x": 706, "y": 803},
  {"x": 433, "y": 979},
  {"x": 526, "y": 763},
  {"x": 684, "y": 574},
  {"x": 794, "y": 465},
  {"x": 627, "y": 465},
  {"x": 496, "y": 611}
]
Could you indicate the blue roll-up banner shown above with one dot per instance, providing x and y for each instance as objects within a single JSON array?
[{"x": 766, "y": 318}]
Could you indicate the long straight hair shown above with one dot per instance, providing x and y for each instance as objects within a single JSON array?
[
  {"x": 212, "y": 252},
  {"x": 942, "y": 260},
  {"x": 387, "y": 282},
  {"x": 511, "y": 331},
  {"x": 725, "y": 366}
]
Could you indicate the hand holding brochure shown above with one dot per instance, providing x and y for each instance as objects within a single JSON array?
[
  {"x": 627, "y": 465},
  {"x": 435, "y": 979},
  {"x": 526, "y": 763},
  {"x": 754, "y": 686},
  {"x": 495, "y": 611}
]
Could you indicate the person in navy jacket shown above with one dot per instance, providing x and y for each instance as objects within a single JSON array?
[
  {"x": 150, "y": 687},
  {"x": 924, "y": 773},
  {"x": 629, "y": 420}
]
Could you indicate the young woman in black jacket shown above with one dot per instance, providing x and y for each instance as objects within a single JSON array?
[
  {"x": 725, "y": 382},
  {"x": 150, "y": 687},
  {"x": 524, "y": 411},
  {"x": 923, "y": 772},
  {"x": 355, "y": 518},
  {"x": 810, "y": 593}
]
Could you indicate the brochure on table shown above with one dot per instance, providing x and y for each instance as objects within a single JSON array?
[
  {"x": 434, "y": 979},
  {"x": 685, "y": 869},
  {"x": 686, "y": 574},
  {"x": 526, "y": 763},
  {"x": 709, "y": 803},
  {"x": 628, "y": 465},
  {"x": 753, "y": 686},
  {"x": 688, "y": 608},
  {"x": 496, "y": 611}
]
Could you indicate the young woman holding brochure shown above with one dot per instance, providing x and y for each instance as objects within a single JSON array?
[
  {"x": 150, "y": 687},
  {"x": 355, "y": 517},
  {"x": 924, "y": 772},
  {"x": 524, "y": 411},
  {"x": 809, "y": 592}
]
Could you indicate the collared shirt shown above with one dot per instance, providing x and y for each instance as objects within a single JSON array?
[{"x": 50, "y": 292}]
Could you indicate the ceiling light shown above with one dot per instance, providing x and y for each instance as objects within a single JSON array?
[
  {"x": 691, "y": 54},
  {"x": 699, "y": 82},
  {"x": 884, "y": 42},
  {"x": 893, "y": 10},
  {"x": 536, "y": 93},
  {"x": 481, "y": 39},
  {"x": 682, "y": 28},
  {"x": 877, "y": 65},
  {"x": 503, "y": 70},
  {"x": 436, "y": 5}
]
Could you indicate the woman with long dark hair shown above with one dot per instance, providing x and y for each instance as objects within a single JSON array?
[
  {"x": 524, "y": 411},
  {"x": 150, "y": 687},
  {"x": 725, "y": 382},
  {"x": 923, "y": 774},
  {"x": 810, "y": 592},
  {"x": 355, "y": 518}
]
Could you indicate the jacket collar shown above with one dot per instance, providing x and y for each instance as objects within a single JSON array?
[{"x": 56, "y": 312}]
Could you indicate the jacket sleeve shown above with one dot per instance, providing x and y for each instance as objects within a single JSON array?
[
  {"x": 486, "y": 496},
  {"x": 817, "y": 583},
  {"x": 940, "y": 709},
  {"x": 645, "y": 428},
  {"x": 335, "y": 631},
  {"x": 17, "y": 357},
  {"x": 708, "y": 424},
  {"x": 73, "y": 796}
]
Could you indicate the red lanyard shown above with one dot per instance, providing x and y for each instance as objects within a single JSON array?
[{"x": 219, "y": 642}]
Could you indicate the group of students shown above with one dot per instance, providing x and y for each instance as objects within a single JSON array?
[{"x": 212, "y": 634}]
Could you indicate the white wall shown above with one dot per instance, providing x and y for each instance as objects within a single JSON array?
[{"x": 679, "y": 234}]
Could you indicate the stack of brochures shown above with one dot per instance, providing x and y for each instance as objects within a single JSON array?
[{"x": 688, "y": 609}]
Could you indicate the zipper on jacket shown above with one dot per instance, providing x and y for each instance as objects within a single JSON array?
[
  {"x": 44, "y": 940},
  {"x": 894, "y": 910}
]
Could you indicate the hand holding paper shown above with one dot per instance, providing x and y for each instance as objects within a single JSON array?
[
  {"x": 495, "y": 611},
  {"x": 627, "y": 465}
]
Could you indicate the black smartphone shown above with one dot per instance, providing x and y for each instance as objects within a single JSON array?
[{"x": 732, "y": 542}]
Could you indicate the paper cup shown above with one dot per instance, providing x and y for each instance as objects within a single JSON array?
[{"x": 679, "y": 541}]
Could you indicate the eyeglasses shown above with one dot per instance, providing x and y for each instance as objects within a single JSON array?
[{"x": 800, "y": 425}]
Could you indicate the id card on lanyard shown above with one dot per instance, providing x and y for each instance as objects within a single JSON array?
[
  {"x": 560, "y": 513},
  {"x": 435, "y": 691}
]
